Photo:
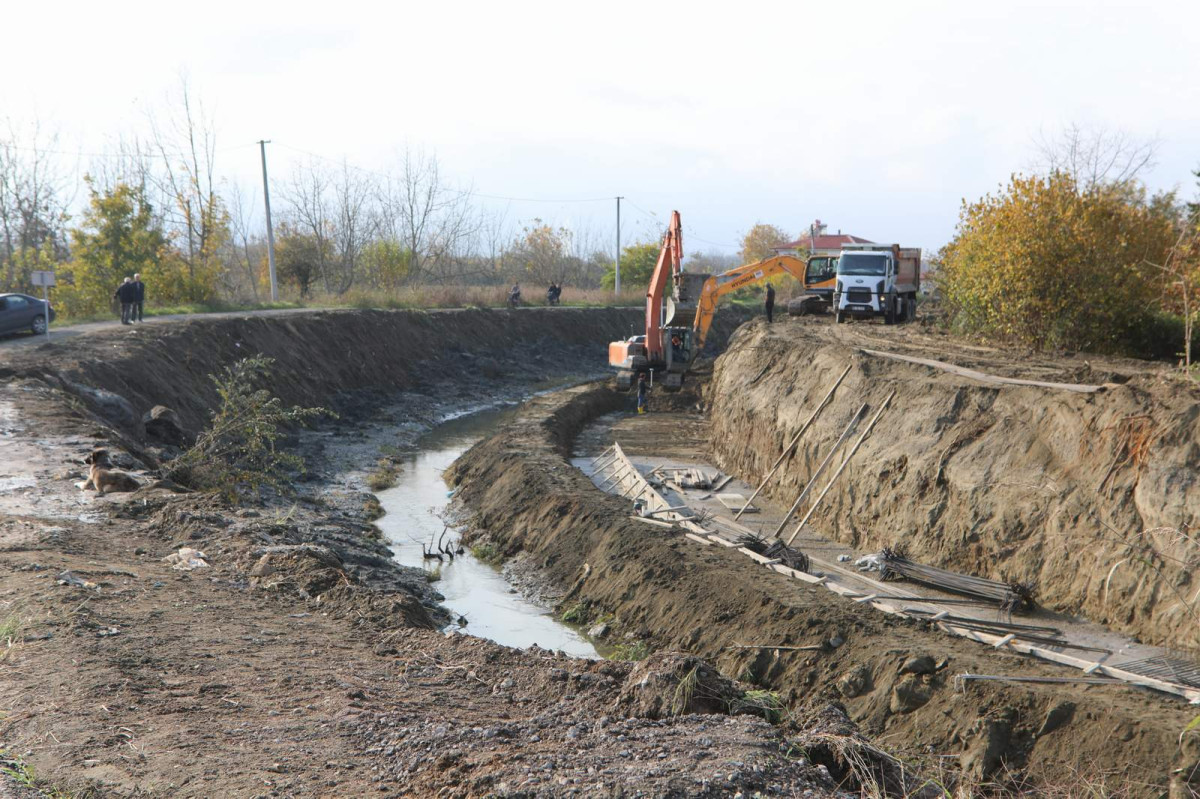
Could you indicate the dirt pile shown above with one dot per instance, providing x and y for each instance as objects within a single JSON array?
[
  {"x": 655, "y": 586},
  {"x": 1090, "y": 497}
]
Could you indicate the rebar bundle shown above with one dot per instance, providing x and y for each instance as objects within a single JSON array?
[{"x": 1009, "y": 596}]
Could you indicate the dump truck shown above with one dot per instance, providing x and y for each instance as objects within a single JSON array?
[{"x": 877, "y": 280}]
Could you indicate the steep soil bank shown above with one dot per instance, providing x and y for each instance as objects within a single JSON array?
[
  {"x": 657, "y": 586},
  {"x": 301, "y": 660},
  {"x": 334, "y": 358},
  {"x": 1089, "y": 497},
  {"x": 331, "y": 358}
]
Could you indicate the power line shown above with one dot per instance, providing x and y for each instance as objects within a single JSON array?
[
  {"x": 114, "y": 155},
  {"x": 713, "y": 243}
]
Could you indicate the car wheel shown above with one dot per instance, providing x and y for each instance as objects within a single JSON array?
[{"x": 39, "y": 324}]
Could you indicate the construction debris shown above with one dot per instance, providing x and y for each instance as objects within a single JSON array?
[
  {"x": 1009, "y": 596},
  {"x": 777, "y": 550},
  {"x": 735, "y": 501},
  {"x": 1035, "y": 679}
]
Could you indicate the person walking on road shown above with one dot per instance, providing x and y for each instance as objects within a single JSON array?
[
  {"x": 125, "y": 294},
  {"x": 139, "y": 298},
  {"x": 770, "y": 305},
  {"x": 643, "y": 389}
]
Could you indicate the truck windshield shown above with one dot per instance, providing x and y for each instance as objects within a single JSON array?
[{"x": 862, "y": 264}]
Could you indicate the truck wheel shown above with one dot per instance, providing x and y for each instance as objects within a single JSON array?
[
  {"x": 889, "y": 313},
  {"x": 839, "y": 317},
  {"x": 910, "y": 306}
]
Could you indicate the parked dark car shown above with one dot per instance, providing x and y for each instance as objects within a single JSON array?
[{"x": 21, "y": 312}]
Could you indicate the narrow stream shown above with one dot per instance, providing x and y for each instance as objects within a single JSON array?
[{"x": 471, "y": 588}]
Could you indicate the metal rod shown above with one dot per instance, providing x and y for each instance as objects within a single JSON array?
[
  {"x": 821, "y": 469},
  {"x": 1005, "y": 678},
  {"x": 795, "y": 441},
  {"x": 842, "y": 468}
]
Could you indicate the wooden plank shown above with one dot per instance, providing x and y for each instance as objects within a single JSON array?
[
  {"x": 698, "y": 539},
  {"x": 723, "y": 482},
  {"x": 654, "y": 522},
  {"x": 795, "y": 440},
  {"x": 750, "y": 553},
  {"x": 716, "y": 539},
  {"x": 733, "y": 501}
]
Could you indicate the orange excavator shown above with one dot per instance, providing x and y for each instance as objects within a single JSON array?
[
  {"x": 665, "y": 351},
  {"x": 661, "y": 350}
]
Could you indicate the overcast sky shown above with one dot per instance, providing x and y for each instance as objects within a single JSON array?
[{"x": 878, "y": 118}]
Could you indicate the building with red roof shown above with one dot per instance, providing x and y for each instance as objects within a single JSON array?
[{"x": 816, "y": 239}]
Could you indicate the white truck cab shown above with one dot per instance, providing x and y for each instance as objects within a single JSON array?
[{"x": 877, "y": 280}]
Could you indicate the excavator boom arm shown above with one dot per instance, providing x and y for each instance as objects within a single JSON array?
[
  {"x": 718, "y": 286},
  {"x": 670, "y": 263}
]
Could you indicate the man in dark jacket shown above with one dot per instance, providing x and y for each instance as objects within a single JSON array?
[
  {"x": 770, "y": 302},
  {"x": 125, "y": 294},
  {"x": 139, "y": 297},
  {"x": 643, "y": 389}
]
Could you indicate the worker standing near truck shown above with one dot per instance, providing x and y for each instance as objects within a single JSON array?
[{"x": 770, "y": 302}]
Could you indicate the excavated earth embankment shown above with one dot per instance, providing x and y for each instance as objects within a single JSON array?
[
  {"x": 1091, "y": 498},
  {"x": 341, "y": 359},
  {"x": 894, "y": 677},
  {"x": 290, "y": 656}
]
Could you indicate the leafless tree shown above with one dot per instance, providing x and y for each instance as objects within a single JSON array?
[
  {"x": 492, "y": 235},
  {"x": 1095, "y": 157},
  {"x": 130, "y": 162},
  {"x": 334, "y": 208},
  {"x": 307, "y": 209},
  {"x": 244, "y": 250},
  {"x": 1182, "y": 271},
  {"x": 34, "y": 197},
  {"x": 428, "y": 217},
  {"x": 186, "y": 144}
]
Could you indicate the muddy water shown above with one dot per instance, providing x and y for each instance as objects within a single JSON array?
[{"x": 471, "y": 588}]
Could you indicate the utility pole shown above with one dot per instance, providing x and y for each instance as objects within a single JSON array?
[
  {"x": 617, "y": 282},
  {"x": 262, "y": 146}
]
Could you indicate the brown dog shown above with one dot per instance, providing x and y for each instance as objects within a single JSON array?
[{"x": 104, "y": 478}]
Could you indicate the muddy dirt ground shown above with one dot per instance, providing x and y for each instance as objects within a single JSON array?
[
  {"x": 301, "y": 660},
  {"x": 657, "y": 587}
]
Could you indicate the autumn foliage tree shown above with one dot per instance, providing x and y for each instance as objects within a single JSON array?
[
  {"x": 759, "y": 241},
  {"x": 1049, "y": 265},
  {"x": 119, "y": 237}
]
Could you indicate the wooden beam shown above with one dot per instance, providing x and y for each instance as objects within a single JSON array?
[
  {"x": 842, "y": 467},
  {"x": 795, "y": 440},
  {"x": 820, "y": 470}
]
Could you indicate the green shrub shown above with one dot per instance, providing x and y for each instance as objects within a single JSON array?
[
  {"x": 238, "y": 452},
  {"x": 488, "y": 553}
]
